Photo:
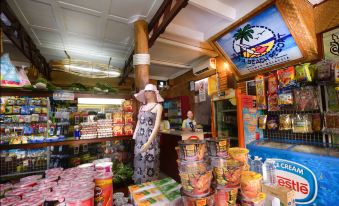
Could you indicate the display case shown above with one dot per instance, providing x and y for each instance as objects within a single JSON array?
[
  {"x": 175, "y": 110},
  {"x": 225, "y": 119}
]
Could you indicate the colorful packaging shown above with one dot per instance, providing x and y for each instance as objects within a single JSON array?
[
  {"x": 118, "y": 130},
  {"x": 103, "y": 189},
  {"x": 324, "y": 70},
  {"x": 302, "y": 123},
  {"x": 227, "y": 172},
  {"x": 128, "y": 117},
  {"x": 303, "y": 73},
  {"x": 306, "y": 98},
  {"x": 240, "y": 154},
  {"x": 226, "y": 197},
  {"x": 285, "y": 195},
  {"x": 218, "y": 147},
  {"x": 286, "y": 77},
  {"x": 285, "y": 122},
  {"x": 128, "y": 129},
  {"x": 335, "y": 66},
  {"x": 257, "y": 201},
  {"x": 159, "y": 200},
  {"x": 272, "y": 122},
  {"x": 272, "y": 83},
  {"x": 261, "y": 92},
  {"x": 127, "y": 106},
  {"x": 195, "y": 184},
  {"x": 250, "y": 184},
  {"x": 192, "y": 150},
  {"x": 262, "y": 119},
  {"x": 9, "y": 74},
  {"x": 118, "y": 118},
  {"x": 285, "y": 97},
  {"x": 316, "y": 122}
]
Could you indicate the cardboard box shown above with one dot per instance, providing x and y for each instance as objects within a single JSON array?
[{"x": 285, "y": 195}]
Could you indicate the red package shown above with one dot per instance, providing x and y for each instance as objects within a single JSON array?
[
  {"x": 128, "y": 129},
  {"x": 273, "y": 103},
  {"x": 118, "y": 130},
  {"x": 272, "y": 84},
  {"x": 286, "y": 77}
]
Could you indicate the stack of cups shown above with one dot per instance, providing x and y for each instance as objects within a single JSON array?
[
  {"x": 195, "y": 174},
  {"x": 250, "y": 187},
  {"x": 226, "y": 171}
]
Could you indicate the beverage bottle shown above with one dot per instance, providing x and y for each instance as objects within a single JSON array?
[
  {"x": 257, "y": 165},
  {"x": 250, "y": 162},
  {"x": 268, "y": 170}
]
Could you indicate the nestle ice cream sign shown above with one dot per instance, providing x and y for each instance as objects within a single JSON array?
[{"x": 298, "y": 178}]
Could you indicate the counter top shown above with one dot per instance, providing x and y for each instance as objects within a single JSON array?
[{"x": 179, "y": 132}]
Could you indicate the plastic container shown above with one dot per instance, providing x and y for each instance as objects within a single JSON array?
[
  {"x": 227, "y": 172},
  {"x": 25, "y": 184},
  {"x": 18, "y": 192},
  {"x": 256, "y": 165},
  {"x": 53, "y": 198},
  {"x": 104, "y": 189},
  {"x": 193, "y": 167},
  {"x": 87, "y": 166},
  {"x": 5, "y": 187},
  {"x": 9, "y": 201},
  {"x": 196, "y": 183},
  {"x": 31, "y": 178},
  {"x": 105, "y": 167},
  {"x": 206, "y": 200},
  {"x": 80, "y": 199},
  {"x": 226, "y": 196},
  {"x": 258, "y": 201},
  {"x": 269, "y": 174},
  {"x": 218, "y": 147},
  {"x": 192, "y": 150},
  {"x": 250, "y": 184},
  {"x": 240, "y": 154}
]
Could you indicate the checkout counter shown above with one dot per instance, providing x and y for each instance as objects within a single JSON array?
[{"x": 168, "y": 156}]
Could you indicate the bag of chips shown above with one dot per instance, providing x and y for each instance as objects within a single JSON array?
[
  {"x": 261, "y": 92},
  {"x": 306, "y": 98},
  {"x": 273, "y": 102},
  {"x": 324, "y": 70},
  {"x": 303, "y": 73},
  {"x": 285, "y": 122},
  {"x": 272, "y": 84},
  {"x": 285, "y": 97},
  {"x": 262, "y": 121},
  {"x": 272, "y": 122},
  {"x": 302, "y": 123},
  {"x": 316, "y": 122},
  {"x": 286, "y": 77}
]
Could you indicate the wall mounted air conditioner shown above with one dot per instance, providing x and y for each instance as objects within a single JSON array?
[{"x": 204, "y": 66}]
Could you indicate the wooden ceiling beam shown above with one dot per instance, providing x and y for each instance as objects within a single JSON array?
[{"x": 162, "y": 18}]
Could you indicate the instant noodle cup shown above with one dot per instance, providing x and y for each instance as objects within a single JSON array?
[
  {"x": 193, "y": 167},
  {"x": 227, "y": 172},
  {"x": 218, "y": 147},
  {"x": 196, "y": 181},
  {"x": 226, "y": 196},
  {"x": 25, "y": 184},
  {"x": 18, "y": 192},
  {"x": 192, "y": 150},
  {"x": 250, "y": 184},
  {"x": 240, "y": 154},
  {"x": 104, "y": 167},
  {"x": 104, "y": 189},
  {"x": 80, "y": 199},
  {"x": 9, "y": 201},
  {"x": 89, "y": 166},
  {"x": 257, "y": 201},
  {"x": 206, "y": 200}
]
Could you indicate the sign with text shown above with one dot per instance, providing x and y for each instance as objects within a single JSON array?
[
  {"x": 63, "y": 95},
  {"x": 331, "y": 44}
]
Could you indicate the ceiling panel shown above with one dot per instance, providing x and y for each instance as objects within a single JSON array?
[
  {"x": 163, "y": 71},
  {"x": 44, "y": 17},
  {"x": 87, "y": 4},
  {"x": 118, "y": 32},
  {"x": 129, "y": 8},
  {"x": 47, "y": 37}
]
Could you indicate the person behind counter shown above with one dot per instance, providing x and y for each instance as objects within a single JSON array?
[{"x": 189, "y": 123}]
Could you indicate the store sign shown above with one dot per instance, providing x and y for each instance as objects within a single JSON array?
[
  {"x": 63, "y": 95},
  {"x": 331, "y": 44},
  {"x": 298, "y": 178},
  {"x": 261, "y": 42}
]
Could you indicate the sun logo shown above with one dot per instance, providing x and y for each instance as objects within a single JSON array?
[{"x": 253, "y": 41}]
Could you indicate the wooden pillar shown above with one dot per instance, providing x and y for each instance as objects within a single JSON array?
[{"x": 141, "y": 47}]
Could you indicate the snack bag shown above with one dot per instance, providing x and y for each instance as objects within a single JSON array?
[
  {"x": 316, "y": 122},
  {"x": 118, "y": 118},
  {"x": 286, "y": 77},
  {"x": 128, "y": 129},
  {"x": 272, "y": 84},
  {"x": 118, "y": 130},
  {"x": 302, "y": 123},
  {"x": 273, "y": 102},
  {"x": 262, "y": 119},
  {"x": 261, "y": 93},
  {"x": 324, "y": 70},
  {"x": 285, "y": 97},
  {"x": 128, "y": 117},
  {"x": 303, "y": 73},
  {"x": 285, "y": 122},
  {"x": 335, "y": 67},
  {"x": 127, "y": 106},
  {"x": 306, "y": 98},
  {"x": 272, "y": 122}
]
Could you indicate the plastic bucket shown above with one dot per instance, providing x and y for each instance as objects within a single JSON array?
[{"x": 105, "y": 167}]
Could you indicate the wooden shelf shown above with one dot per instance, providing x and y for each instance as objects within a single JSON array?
[{"x": 59, "y": 143}]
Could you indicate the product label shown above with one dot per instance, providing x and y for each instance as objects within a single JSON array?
[
  {"x": 298, "y": 178},
  {"x": 201, "y": 202}
]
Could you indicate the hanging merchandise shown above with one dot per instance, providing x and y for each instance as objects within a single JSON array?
[
  {"x": 272, "y": 122},
  {"x": 304, "y": 72},
  {"x": 285, "y": 97},
  {"x": 261, "y": 92},
  {"x": 316, "y": 122},
  {"x": 272, "y": 84},
  {"x": 335, "y": 67},
  {"x": 285, "y": 122},
  {"x": 262, "y": 121},
  {"x": 9, "y": 75},
  {"x": 302, "y": 123},
  {"x": 286, "y": 77},
  {"x": 324, "y": 70},
  {"x": 306, "y": 98},
  {"x": 332, "y": 121},
  {"x": 273, "y": 102}
]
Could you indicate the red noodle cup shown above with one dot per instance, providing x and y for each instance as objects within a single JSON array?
[
  {"x": 257, "y": 201},
  {"x": 25, "y": 184},
  {"x": 192, "y": 150},
  {"x": 83, "y": 185},
  {"x": 196, "y": 183},
  {"x": 9, "y": 201},
  {"x": 104, "y": 189},
  {"x": 240, "y": 154},
  {"x": 207, "y": 200},
  {"x": 18, "y": 192},
  {"x": 218, "y": 147},
  {"x": 31, "y": 178},
  {"x": 53, "y": 198},
  {"x": 227, "y": 172},
  {"x": 226, "y": 196},
  {"x": 31, "y": 194},
  {"x": 104, "y": 167},
  {"x": 82, "y": 199},
  {"x": 250, "y": 184}
]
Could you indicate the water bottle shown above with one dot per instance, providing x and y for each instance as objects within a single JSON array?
[
  {"x": 257, "y": 165},
  {"x": 268, "y": 170},
  {"x": 250, "y": 162}
]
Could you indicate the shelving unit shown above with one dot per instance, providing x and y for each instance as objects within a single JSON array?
[{"x": 175, "y": 110}]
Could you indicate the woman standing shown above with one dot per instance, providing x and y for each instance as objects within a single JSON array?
[{"x": 146, "y": 150}]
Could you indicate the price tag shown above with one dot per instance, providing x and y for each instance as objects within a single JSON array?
[{"x": 25, "y": 163}]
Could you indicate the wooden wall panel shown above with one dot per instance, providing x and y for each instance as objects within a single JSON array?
[
  {"x": 222, "y": 74},
  {"x": 326, "y": 15}
]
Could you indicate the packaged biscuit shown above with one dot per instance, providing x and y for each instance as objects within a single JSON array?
[
  {"x": 128, "y": 117},
  {"x": 127, "y": 106},
  {"x": 285, "y": 122},
  {"x": 118, "y": 130},
  {"x": 128, "y": 129},
  {"x": 262, "y": 121},
  {"x": 118, "y": 118}
]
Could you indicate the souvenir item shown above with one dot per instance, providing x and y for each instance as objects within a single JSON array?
[
  {"x": 286, "y": 77},
  {"x": 273, "y": 102},
  {"x": 261, "y": 92},
  {"x": 272, "y": 122},
  {"x": 306, "y": 98},
  {"x": 272, "y": 84},
  {"x": 285, "y": 122},
  {"x": 316, "y": 122},
  {"x": 324, "y": 70},
  {"x": 262, "y": 121}
]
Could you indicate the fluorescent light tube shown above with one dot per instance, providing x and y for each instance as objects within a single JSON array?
[{"x": 99, "y": 101}]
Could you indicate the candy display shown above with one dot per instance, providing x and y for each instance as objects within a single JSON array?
[
  {"x": 192, "y": 150},
  {"x": 261, "y": 92},
  {"x": 286, "y": 77},
  {"x": 227, "y": 172},
  {"x": 226, "y": 197},
  {"x": 218, "y": 147},
  {"x": 285, "y": 122},
  {"x": 250, "y": 184}
]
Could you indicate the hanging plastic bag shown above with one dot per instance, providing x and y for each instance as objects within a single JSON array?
[{"x": 9, "y": 75}]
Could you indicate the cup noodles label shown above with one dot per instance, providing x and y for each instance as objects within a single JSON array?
[{"x": 299, "y": 178}]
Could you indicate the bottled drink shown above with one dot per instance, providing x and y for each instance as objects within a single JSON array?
[
  {"x": 249, "y": 162},
  {"x": 257, "y": 165},
  {"x": 268, "y": 170}
]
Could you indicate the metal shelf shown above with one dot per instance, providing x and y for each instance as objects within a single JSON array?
[{"x": 59, "y": 143}]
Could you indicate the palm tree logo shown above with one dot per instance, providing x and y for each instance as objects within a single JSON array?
[{"x": 243, "y": 33}]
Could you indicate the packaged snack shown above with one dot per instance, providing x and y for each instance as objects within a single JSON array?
[
  {"x": 128, "y": 129},
  {"x": 9, "y": 110},
  {"x": 306, "y": 98},
  {"x": 335, "y": 67},
  {"x": 11, "y": 101},
  {"x": 218, "y": 147},
  {"x": 198, "y": 183},
  {"x": 262, "y": 121},
  {"x": 43, "y": 102},
  {"x": 285, "y": 122},
  {"x": 285, "y": 97},
  {"x": 16, "y": 109},
  {"x": 324, "y": 70},
  {"x": 227, "y": 172},
  {"x": 286, "y": 77},
  {"x": 127, "y": 106},
  {"x": 35, "y": 117},
  {"x": 272, "y": 122},
  {"x": 261, "y": 92},
  {"x": 206, "y": 200},
  {"x": 302, "y": 123},
  {"x": 128, "y": 116},
  {"x": 21, "y": 118},
  {"x": 226, "y": 197},
  {"x": 25, "y": 110},
  {"x": 118, "y": 118},
  {"x": 241, "y": 155},
  {"x": 250, "y": 184},
  {"x": 316, "y": 122},
  {"x": 28, "y": 118},
  {"x": 273, "y": 102},
  {"x": 303, "y": 73},
  {"x": 330, "y": 120},
  {"x": 44, "y": 110},
  {"x": 272, "y": 83},
  {"x": 20, "y": 101},
  {"x": 118, "y": 130},
  {"x": 37, "y": 110},
  {"x": 15, "y": 118}
]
